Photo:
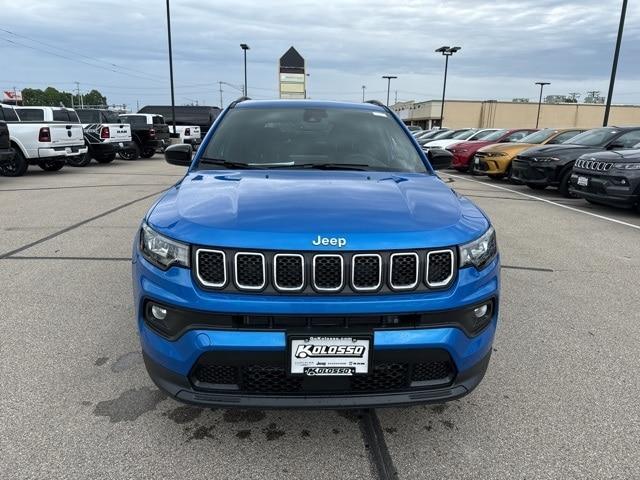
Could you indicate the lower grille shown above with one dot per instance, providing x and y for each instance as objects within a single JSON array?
[{"x": 273, "y": 379}]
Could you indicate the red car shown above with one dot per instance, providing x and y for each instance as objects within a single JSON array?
[{"x": 463, "y": 152}]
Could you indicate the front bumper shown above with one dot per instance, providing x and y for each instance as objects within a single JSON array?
[
  {"x": 108, "y": 148},
  {"x": 6, "y": 155},
  {"x": 609, "y": 188},
  {"x": 484, "y": 165},
  {"x": 461, "y": 160},
  {"x": 171, "y": 363},
  {"x": 535, "y": 173}
]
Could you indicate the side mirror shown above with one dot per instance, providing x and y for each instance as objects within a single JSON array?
[
  {"x": 616, "y": 146},
  {"x": 439, "y": 158},
  {"x": 179, "y": 154}
]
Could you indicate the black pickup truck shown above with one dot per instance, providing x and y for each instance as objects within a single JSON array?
[
  {"x": 6, "y": 152},
  {"x": 149, "y": 132}
]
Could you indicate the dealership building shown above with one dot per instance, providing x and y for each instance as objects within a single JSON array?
[{"x": 495, "y": 114}]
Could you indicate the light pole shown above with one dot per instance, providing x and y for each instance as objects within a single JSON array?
[
  {"x": 388, "y": 77},
  {"x": 614, "y": 68},
  {"x": 542, "y": 84},
  {"x": 447, "y": 52},
  {"x": 364, "y": 87},
  {"x": 173, "y": 101},
  {"x": 244, "y": 48}
]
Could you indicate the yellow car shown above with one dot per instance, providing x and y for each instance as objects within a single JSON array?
[{"x": 495, "y": 160}]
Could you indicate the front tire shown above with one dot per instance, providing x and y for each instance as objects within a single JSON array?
[
  {"x": 16, "y": 167},
  {"x": 564, "y": 185},
  {"x": 50, "y": 166}
]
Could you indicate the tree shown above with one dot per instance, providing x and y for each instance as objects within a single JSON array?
[{"x": 51, "y": 97}]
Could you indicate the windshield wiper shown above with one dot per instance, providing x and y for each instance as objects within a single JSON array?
[
  {"x": 333, "y": 166},
  {"x": 225, "y": 163}
]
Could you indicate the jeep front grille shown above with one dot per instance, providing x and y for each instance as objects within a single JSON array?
[
  {"x": 311, "y": 272},
  {"x": 593, "y": 165}
]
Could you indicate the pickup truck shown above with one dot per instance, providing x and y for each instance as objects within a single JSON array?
[
  {"x": 189, "y": 134},
  {"x": 203, "y": 116},
  {"x": 6, "y": 152},
  {"x": 149, "y": 132},
  {"x": 105, "y": 134},
  {"x": 325, "y": 265},
  {"x": 48, "y": 144}
]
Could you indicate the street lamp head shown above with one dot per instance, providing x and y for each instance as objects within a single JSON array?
[
  {"x": 389, "y": 77},
  {"x": 543, "y": 83},
  {"x": 244, "y": 46},
  {"x": 454, "y": 49},
  {"x": 442, "y": 49}
]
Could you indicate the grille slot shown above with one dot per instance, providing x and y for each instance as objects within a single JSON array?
[
  {"x": 288, "y": 272},
  {"x": 403, "y": 272},
  {"x": 250, "y": 271},
  {"x": 211, "y": 268},
  {"x": 328, "y": 273},
  {"x": 439, "y": 268},
  {"x": 216, "y": 374},
  {"x": 366, "y": 272},
  {"x": 593, "y": 165},
  {"x": 425, "y": 372}
]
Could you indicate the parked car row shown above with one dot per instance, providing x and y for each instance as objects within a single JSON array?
[
  {"x": 601, "y": 165},
  {"x": 52, "y": 137}
]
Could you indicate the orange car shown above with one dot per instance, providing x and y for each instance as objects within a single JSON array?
[{"x": 495, "y": 160}]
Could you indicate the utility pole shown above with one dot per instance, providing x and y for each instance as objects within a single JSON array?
[
  {"x": 614, "y": 67},
  {"x": 220, "y": 84},
  {"x": 593, "y": 93},
  {"x": 396, "y": 97},
  {"x": 364, "y": 87},
  {"x": 137, "y": 105},
  {"x": 173, "y": 101},
  {"x": 79, "y": 95},
  {"x": 574, "y": 96},
  {"x": 542, "y": 84},
  {"x": 389, "y": 78}
]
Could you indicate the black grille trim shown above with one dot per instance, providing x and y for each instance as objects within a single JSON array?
[
  {"x": 354, "y": 282},
  {"x": 275, "y": 272},
  {"x": 405, "y": 286},
  {"x": 224, "y": 264},
  {"x": 243, "y": 286},
  {"x": 447, "y": 280}
]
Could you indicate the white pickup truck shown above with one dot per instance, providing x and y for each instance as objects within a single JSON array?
[{"x": 46, "y": 143}]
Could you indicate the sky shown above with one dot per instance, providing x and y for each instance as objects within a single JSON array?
[{"x": 120, "y": 48}]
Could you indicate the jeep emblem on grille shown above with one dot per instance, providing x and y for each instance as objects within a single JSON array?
[{"x": 330, "y": 241}]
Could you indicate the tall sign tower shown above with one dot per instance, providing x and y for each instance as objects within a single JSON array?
[{"x": 291, "y": 75}]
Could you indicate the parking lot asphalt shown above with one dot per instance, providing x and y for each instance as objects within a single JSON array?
[{"x": 559, "y": 399}]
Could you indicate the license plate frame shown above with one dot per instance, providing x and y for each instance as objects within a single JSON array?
[
  {"x": 325, "y": 361},
  {"x": 582, "y": 181}
]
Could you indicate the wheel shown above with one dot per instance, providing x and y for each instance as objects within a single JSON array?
[
  {"x": 50, "y": 165},
  {"x": 80, "y": 160},
  {"x": 108, "y": 158},
  {"x": 133, "y": 154},
  {"x": 148, "y": 152},
  {"x": 535, "y": 186},
  {"x": 564, "y": 185},
  {"x": 496, "y": 176},
  {"x": 16, "y": 167}
]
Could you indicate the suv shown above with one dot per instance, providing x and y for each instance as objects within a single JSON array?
[
  {"x": 609, "y": 178},
  {"x": 105, "y": 135},
  {"x": 150, "y": 133},
  {"x": 551, "y": 165},
  {"x": 311, "y": 257}
]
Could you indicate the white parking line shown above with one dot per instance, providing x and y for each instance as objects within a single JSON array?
[{"x": 574, "y": 209}]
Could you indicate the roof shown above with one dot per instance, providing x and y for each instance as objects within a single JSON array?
[{"x": 308, "y": 104}]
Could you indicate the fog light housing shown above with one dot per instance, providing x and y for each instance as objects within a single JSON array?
[
  {"x": 158, "y": 312},
  {"x": 480, "y": 312}
]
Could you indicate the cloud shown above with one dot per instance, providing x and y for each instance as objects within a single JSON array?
[{"x": 506, "y": 46}]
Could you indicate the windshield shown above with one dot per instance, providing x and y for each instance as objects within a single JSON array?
[
  {"x": 110, "y": 117},
  {"x": 481, "y": 135},
  {"x": 593, "y": 138},
  {"x": 538, "y": 137},
  {"x": 308, "y": 137},
  {"x": 463, "y": 134},
  {"x": 495, "y": 135}
]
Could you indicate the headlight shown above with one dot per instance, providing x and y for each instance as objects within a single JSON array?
[
  {"x": 162, "y": 251},
  {"x": 627, "y": 166},
  {"x": 479, "y": 252},
  {"x": 496, "y": 154},
  {"x": 545, "y": 159}
]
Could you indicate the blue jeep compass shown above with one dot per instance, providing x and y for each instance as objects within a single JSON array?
[{"x": 310, "y": 257}]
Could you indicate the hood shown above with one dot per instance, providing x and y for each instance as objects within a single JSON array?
[
  {"x": 442, "y": 143},
  {"x": 289, "y": 209},
  {"x": 615, "y": 156},
  {"x": 561, "y": 151},
  {"x": 511, "y": 148},
  {"x": 471, "y": 145}
]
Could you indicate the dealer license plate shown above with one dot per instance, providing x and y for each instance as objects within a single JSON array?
[
  {"x": 476, "y": 161},
  {"x": 329, "y": 356},
  {"x": 583, "y": 181}
]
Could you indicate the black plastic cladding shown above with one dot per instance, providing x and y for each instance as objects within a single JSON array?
[{"x": 347, "y": 287}]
